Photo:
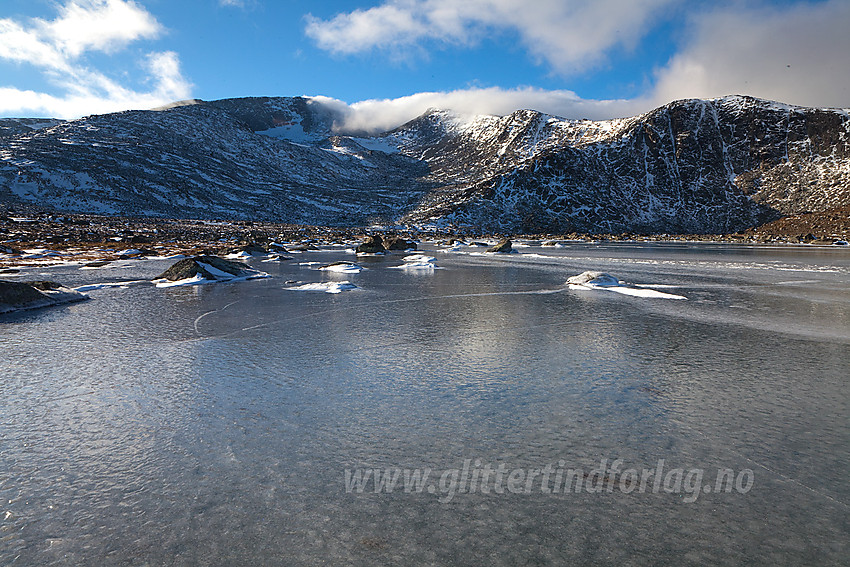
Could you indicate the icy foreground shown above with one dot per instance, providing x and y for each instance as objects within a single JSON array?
[{"x": 214, "y": 424}]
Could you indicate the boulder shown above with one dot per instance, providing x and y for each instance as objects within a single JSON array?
[
  {"x": 399, "y": 243},
  {"x": 503, "y": 247},
  {"x": 276, "y": 248},
  {"x": 15, "y": 296},
  {"x": 301, "y": 247},
  {"x": 372, "y": 245},
  {"x": 252, "y": 249},
  {"x": 200, "y": 265},
  {"x": 600, "y": 279}
]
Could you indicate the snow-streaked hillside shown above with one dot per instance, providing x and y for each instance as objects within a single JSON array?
[{"x": 690, "y": 166}]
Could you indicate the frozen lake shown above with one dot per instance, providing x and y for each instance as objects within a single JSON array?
[{"x": 231, "y": 423}]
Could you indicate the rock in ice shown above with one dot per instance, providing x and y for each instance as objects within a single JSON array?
[
  {"x": 593, "y": 279},
  {"x": 206, "y": 269}
]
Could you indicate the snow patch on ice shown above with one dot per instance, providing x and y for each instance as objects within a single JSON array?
[
  {"x": 194, "y": 280},
  {"x": 327, "y": 287},
  {"x": 343, "y": 268},
  {"x": 417, "y": 262},
  {"x": 96, "y": 286},
  {"x": 590, "y": 281},
  {"x": 419, "y": 259}
]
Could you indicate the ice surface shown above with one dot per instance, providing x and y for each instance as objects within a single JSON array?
[{"x": 489, "y": 362}]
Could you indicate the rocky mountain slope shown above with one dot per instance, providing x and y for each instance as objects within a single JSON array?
[{"x": 708, "y": 166}]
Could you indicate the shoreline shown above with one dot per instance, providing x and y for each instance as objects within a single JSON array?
[{"x": 37, "y": 237}]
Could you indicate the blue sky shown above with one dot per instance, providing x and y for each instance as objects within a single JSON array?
[{"x": 389, "y": 60}]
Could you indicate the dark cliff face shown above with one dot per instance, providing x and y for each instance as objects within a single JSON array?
[{"x": 690, "y": 166}]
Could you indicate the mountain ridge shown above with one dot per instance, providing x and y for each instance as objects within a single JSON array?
[{"x": 698, "y": 166}]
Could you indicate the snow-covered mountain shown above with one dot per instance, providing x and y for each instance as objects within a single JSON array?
[{"x": 691, "y": 166}]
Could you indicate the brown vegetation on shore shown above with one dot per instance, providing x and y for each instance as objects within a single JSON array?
[{"x": 94, "y": 237}]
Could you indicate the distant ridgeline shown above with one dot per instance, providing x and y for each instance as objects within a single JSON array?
[{"x": 692, "y": 166}]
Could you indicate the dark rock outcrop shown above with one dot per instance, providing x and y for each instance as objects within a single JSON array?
[
  {"x": 301, "y": 247},
  {"x": 15, "y": 296},
  {"x": 372, "y": 245},
  {"x": 276, "y": 248},
  {"x": 252, "y": 249},
  {"x": 399, "y": 243},
  {"x": 198, "y": 265},
  {"x": 505, "y": 246}
]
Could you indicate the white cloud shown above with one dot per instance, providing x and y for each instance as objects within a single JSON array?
[
  {"x": 569, "y": 34},
  {"x": 21, "y": 45},
  {"x": 101, "y": 25},
  {"x": 57, "y": 48},
  {"x": 380, "y": 115},
  {"x": 794, "y": 53},
  {"x": 797, "y": 54}
]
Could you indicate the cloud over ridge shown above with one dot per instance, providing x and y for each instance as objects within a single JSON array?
[
  {"x": 379, "y": 115},
  {"x": 794, "y": 53}
]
